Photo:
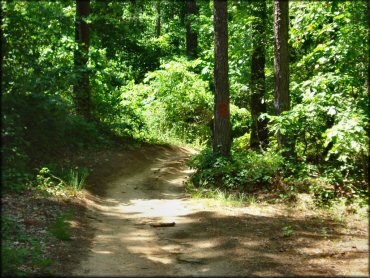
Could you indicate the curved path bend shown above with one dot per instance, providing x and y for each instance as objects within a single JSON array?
[{"x": 210, "y": 240}]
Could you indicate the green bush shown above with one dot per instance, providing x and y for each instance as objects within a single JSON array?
[
  {"x": 247, "y": 170},
  {"x": 173, "y": 101},
  {"x": 35, "y": 129},
  {"x": 241, "y": 121},
  {"x": 327, "y": 130},
  {"x": 57, "y": 180}
]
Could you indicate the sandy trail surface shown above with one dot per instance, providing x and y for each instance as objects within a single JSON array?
[{"x": 140, "y": 188}]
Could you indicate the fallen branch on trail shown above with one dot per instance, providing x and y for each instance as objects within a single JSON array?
[{"x": 162, "y": 224}]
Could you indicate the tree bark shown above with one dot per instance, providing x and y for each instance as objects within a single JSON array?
[
  {"x": 281, "y": 62},
  {"x": 2, "y": 46},
  {"x": 158, "y": 23},
  {"x": 222, "y": 125},
  {"x": 81, "y": 57},
  {"x": 191, "y": 35},
  {"x": 259, "y": 134},
  {"x": 368, "y": 48}
]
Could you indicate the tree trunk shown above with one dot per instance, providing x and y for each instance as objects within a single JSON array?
[
  {"x": 368, "y": 48},
  {"x": 82, "y": 35},
  {"x": 158, "y": 24},
  {"x": 191, "y": 35},
  {"x": 366, "y": 161},
  {"x": 259, "y": 134},
  {"x": 281, "y": 62},
  {"x": 222, "y": 125},
  {"x": 2, "y": 48}
]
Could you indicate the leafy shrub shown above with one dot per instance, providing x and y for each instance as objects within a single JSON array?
[
  {"x": 60, "y": 180},
  {"x": 15, "y": 179},
  {"x": 288, "y": 231},
  {"x": 245, "y": 171},
  {"x": 35, "y": 129},
  {"x": 328, "y": 131},
  {"x": 324, "y": 193},
  {"x": 172, "y": 101},
  {"x": 241, "y": 121}
]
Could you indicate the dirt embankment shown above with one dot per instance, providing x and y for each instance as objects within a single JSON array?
[{"x": 134, "y": 191}]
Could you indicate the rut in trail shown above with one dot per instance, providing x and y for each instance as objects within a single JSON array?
[{"x": 147, "y": 190}]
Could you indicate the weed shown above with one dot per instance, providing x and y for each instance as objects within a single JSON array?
[
  {"x": 325, "y": 232},
  {"x": 61, "y": 181},
  {"x": 61, "y": 228},
  {"x": 76, "y": 179},
  {"x": 289, "y": 196},
  {"x": 251, "y": 200},
  {"x": 14, "y": 256},
  {"x": 288, "y": 231},
  {"x": 222, "y": 196}
]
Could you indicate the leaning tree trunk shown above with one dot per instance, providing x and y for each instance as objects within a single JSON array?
[
  {"x": 191, "y": 34},
  {"x": 259, "y": 134},
  {"x": 281, "y": 62},
  {"x": 81, "y": 57},
  {"x": 222, "y": 125}
]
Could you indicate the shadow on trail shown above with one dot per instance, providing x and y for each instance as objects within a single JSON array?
[
  {"x": 253, "y": 245},
  {"x": 205, "y": 242}
]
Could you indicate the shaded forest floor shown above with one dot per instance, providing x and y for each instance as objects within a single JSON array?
[{"x": 132, "y": 190}]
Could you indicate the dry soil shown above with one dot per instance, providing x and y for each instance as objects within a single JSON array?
[{"x": 134, "y": 190}]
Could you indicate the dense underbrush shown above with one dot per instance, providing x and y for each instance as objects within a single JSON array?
[
  {"x": 174, "y": 104},
  {"x": 251, "y": 174}
]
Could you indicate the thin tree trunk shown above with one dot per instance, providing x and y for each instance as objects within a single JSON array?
[
  {"x": 222, "y": 125},
  {"x": 281, "y": 62},
  {"x": 365, "y": 159},
  {"x": 191, "y": 35},
  {"x": 158, "y": 24},
  {"x": 2, "y": 48},
  {"x": 81, "y": 58},
  {"x": 368, "y": 48},
  {"x": 259, "y": 134}
]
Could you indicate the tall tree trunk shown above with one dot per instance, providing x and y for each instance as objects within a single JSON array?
[
  {"x": 222, "y": 125},
  {"x": 281, "y": 62},
  {"x": 191, "y": 35},
  {"x": 2, "y": 46},
  {"x": 158, "y": 23},
  {"x": 81, "y": 57},
  {"x": 366, "y": 161},
  {"x": 259, "y": 134},
  {"x": 368, "y": 48}
]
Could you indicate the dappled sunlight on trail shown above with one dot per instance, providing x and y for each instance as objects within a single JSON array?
[{"x": 201, "y": 238}]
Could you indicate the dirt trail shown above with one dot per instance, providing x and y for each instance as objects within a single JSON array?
[{"x": 145, "y": 187}]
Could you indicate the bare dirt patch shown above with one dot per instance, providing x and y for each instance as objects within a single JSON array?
[{"x": 134, "y": 191}]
